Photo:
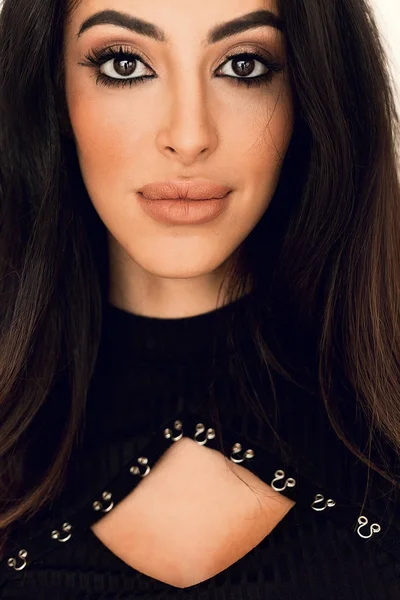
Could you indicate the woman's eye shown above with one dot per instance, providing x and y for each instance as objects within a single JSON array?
[
  {"x": 121, "y": 68},
  {"x": 245, "y": 65}
]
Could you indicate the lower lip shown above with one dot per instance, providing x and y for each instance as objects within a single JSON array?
[{"x": 183, "y": 212}]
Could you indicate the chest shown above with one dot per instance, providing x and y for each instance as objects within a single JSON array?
[{"x": 193, "y": 516}]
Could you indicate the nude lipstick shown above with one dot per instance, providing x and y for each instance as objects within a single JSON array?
[{"x": 189, "y": 202}]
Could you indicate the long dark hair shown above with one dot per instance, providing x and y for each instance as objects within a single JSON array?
[{"x": 334, "y": 223}]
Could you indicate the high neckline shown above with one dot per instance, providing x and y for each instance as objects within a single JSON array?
[{"x": 146, "y": 338}]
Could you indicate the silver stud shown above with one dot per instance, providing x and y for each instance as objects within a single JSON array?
[
  {"x": 168, "y": 432},
  {"x": 13, "y": 563},
  {"x": 320, "y": 498},
  {"x": 142, "y": 461},
  {"x": 66, "y": 528},
  {"x": 210, "y": 434},
  {"x": 374, "y": 527},
  {"x": 99, "y": 506},
  {"x": 290, "y": 482},
  {"x": 236, "y": 450}
]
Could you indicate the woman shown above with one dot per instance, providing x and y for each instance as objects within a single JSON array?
[{"x": 156, "y": 158}]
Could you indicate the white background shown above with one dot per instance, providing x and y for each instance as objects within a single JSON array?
[{"x": 388, "y": 16}]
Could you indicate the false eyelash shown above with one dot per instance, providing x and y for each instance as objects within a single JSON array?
[{"x": 97, "y": 57}]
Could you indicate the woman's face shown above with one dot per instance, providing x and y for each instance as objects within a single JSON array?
[{"x": 194, "y": 117}]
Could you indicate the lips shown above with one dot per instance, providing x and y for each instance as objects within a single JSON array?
[{"x": 198, "y": 189}]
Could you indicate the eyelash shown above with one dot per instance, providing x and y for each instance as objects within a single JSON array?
[{"x": 99, "y": 57}]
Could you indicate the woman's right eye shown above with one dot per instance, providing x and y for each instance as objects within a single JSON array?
[
  {"x": 118, "y": 68},
  {"x": 118, "y": 65}
]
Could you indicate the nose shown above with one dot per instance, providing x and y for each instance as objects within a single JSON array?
[{"x": 190, "y": 131}]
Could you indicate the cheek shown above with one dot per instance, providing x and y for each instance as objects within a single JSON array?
[
  {"x": 102, "y": 140},
  {"x": 103, "y": 149},
  {"x": 106, "y": 132},
  {"x": 263, "y": 144}
]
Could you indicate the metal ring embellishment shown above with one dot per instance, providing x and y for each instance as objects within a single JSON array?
[
  {"x": 320, "y": 498},
  {"x": 202, "y": 435},
  {"x": 142, "y": 461},
  {"x": 280, "y": 474},
  {"x": 56, "y": 535},
  {"x": 99, "y": 505},
  {"x": 22, "y": 554}
]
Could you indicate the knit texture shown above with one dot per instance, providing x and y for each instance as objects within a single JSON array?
[{"x": 149, "y": 373}]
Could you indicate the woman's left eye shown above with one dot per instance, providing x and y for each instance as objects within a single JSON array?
[
  {"x": 125, "y": 63},
  {"x": 245, "y": 64}
]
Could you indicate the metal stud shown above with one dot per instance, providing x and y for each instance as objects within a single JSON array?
[
  {"x": 99, "y": 506},
  {"x": 66, "y": 528},
  {"x": 320, "y": 498},
  {"x": 142, "y": 461},
  {"x": 168, "y": 432},
  {"x": 236, "y": 450},
  {"x": 290, "y": 482},
  {"x": 22, "y": 554},
  {"x": 374, "y": 527},
  {"x": 210, "y": 434}
]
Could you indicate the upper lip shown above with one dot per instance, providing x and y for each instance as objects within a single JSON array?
[{"x": 195, "y": 189}]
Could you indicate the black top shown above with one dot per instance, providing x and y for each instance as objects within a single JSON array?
[{"x": 152, "y": 385}]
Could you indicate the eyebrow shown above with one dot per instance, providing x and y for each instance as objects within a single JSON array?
[{"x": 258, "y": 18}]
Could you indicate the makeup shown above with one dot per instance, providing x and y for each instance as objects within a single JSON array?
[{"x": 184, "y": 211}]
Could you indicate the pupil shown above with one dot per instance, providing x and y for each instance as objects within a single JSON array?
[
  {"x": 246, "y": 66},
  {"x": 124, "y": 66}
]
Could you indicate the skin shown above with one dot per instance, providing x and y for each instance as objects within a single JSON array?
[
  {"x": 185, "y": 122},
  {"x": 211, "y": 515}
]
